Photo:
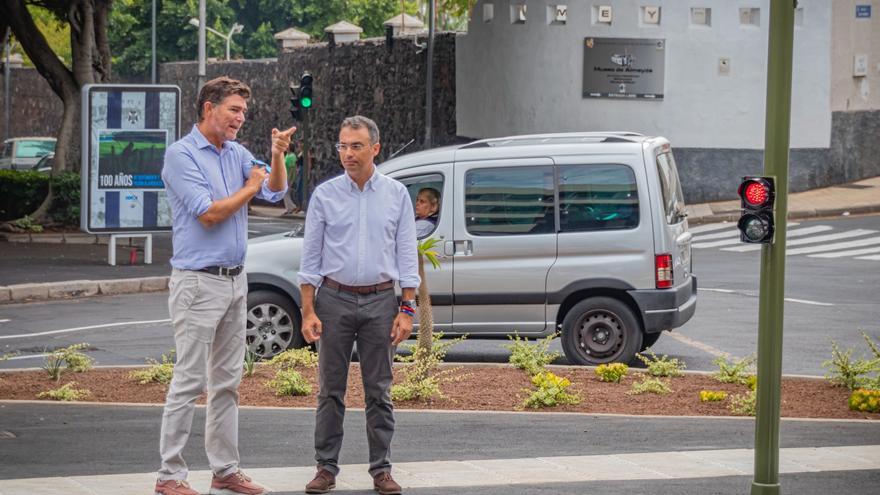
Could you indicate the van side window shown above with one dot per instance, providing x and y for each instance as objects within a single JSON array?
[
  {"x": 430, "y": 188},
  {"x": 597, "y": 197},
  {"x": 670, "y": 186},
  {"x": 509, "y": 201}
]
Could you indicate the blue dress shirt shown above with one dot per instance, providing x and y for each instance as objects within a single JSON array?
[
  {"x": 360, "y": 237},
  {"x": 195, "y": 175}
]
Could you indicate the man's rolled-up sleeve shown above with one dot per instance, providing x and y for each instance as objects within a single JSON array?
[
  {"x": 313, "y": 244},
  {"x": 183, "y": 178},
  {"x": 407, "y": 244}
]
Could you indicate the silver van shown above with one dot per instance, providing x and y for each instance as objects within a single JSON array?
[{"x": 579, "y": 233}]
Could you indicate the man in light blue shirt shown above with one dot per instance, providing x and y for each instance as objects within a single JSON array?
[
  {"x": 209, "y": 179},
  {"x": 360, "y": 238}
]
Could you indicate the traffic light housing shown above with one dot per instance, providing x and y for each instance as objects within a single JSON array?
[
  {"x": 295, "y": 109},
  {"x": 757, "y": 196},
  {"x": 301, "y": 97}
]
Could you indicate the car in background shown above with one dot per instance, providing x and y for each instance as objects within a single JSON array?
[
  {"x": 22, "y": 153},
  {"x": 583, "y": 234},
  {"x": 44, "y": 166}
]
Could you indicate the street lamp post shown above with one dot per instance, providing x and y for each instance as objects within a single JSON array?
[{"x": 236, "y": 28}]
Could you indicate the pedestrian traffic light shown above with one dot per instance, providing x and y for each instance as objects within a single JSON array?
[
  {"x": 757, "y": 195},
  {"x": 295, "y": 102},
  {"x": 305, "y": 91}
]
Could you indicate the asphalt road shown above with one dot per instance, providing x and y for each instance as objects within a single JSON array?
[{"x": 828, "y": 299}]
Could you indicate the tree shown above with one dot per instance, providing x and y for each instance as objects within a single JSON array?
[
  {"x": 90, "y": 61},
  {"x": 426, "y": 313}
]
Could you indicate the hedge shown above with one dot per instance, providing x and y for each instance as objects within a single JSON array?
[{"x": 21, "y": 192}]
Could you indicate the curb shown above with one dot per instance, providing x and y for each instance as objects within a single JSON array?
[{"x": 72, "y": 289}]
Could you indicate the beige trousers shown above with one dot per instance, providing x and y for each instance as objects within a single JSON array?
[{"x": 208, "y": 316}]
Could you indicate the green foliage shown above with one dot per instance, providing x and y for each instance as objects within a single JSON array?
[
  {"x": 53, "y": 364},
  {"x": 733, "y": 370},
  {"x": 295, "y": 358},
  {"x": 66, "y": 392},
  {"x": 157, "y": 372},
  {"x": 250, "y": 363},
  {"x": 551, "y": 391},
  {"x": 289, "y": 382},
  {"x": 712, "y": 395},
  {"x": 422, "y": 377},
  {"x": 863, "y": 400},
  {"x": 650, "y": 385},
  {"x": 27, "y": 223},
  {"x": 845, "y": 371},
  {"x": 531, "y": 358},
  {"x": 426, "y": 249},
  {"x": 661, "y": 366},
  {"x": 65, "y": 206},
  {"x": 744, "y": 404},
  {"x": 752, "y": 382},
  {"x": 613, "y": 372},
  {"x": 21, "y": 192},
  {"x": 56, "y": 32},
  {"x": 67, "y": 359}
]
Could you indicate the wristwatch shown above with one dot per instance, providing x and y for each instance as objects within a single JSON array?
[{"x": 408, "y": 302}]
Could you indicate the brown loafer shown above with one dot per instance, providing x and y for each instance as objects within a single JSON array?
[
  {"x": 324, "y": 482},
  {"x": 385, "y": 484}
]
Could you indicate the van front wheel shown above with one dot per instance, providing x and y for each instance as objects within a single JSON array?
[{"x": 600, "y": 330}]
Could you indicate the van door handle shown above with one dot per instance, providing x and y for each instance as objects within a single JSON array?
[{"x": 458, "y": 248}]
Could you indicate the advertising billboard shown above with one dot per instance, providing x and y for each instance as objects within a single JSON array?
[{"x": 127, "y": 129}]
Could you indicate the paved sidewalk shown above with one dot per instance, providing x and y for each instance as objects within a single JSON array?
[{"x": 52, "y": 266}]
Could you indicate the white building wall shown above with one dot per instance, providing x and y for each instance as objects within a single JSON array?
[{"x": 527, "y": 78}]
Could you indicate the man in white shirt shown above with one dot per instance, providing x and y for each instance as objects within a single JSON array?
[{"x": 360, "y": 238}]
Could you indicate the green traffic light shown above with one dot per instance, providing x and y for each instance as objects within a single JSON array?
[{"x": 305, "y": 102}]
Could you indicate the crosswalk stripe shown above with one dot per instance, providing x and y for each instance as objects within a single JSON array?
[
  {"x": 709, "y": 227},
  {"x": 458, "y": 476},
  {"x": 871, "y": 258},
  {"x": 734, "y": 232},
  {"x": 810, "y": 240},
  {"x": 833, "y": 247},
  {"x": 852, "y": 252},
  {"x": 788, "y": 235}
]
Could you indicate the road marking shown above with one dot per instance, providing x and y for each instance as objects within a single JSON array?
[
  {"x": 253, "y": 231},
  {"x": 79, "y": 329},
  {"x": 709, "y": 227},
  {"x": 696, "y": 344},
  {"x": 852, "y": 252},
  {"x": 788, "y": 235},
  {"x": 832, "y": 247},
  {"x": 871, "y": 258},
  {"x": 717, "y": 235},
  {"x": 788, "y": 299},
  {"x": 29, "y": 356},
  {"x": 3, "y": 321},
  {"x": 460, "y": 475},
  {"x": 723, "y": 291},
  {"x": 805, "y": 301},
  {"x": 727, "y": 242}
]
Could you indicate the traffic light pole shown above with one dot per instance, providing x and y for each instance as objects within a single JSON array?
[
  {"x": 770, "y": 312},
  {"x": 307, "y": 158}
]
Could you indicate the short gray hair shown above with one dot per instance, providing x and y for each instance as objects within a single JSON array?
[{"x": 358, "y": 122}]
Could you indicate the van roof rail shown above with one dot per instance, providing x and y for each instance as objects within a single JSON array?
[{"x": 560, "y": 138}]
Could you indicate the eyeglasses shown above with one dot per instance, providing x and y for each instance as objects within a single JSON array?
[{"x": 343, "y": 147}]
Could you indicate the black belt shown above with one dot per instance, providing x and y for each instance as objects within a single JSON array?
[
  {"x": 358, "y": 289},
  {"x": 223, "y": 271}
]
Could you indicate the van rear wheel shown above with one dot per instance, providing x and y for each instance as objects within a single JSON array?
[{"x": 600, "y": 330}]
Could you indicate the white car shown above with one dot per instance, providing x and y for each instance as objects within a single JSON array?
[{"x": 23, "y": 153}]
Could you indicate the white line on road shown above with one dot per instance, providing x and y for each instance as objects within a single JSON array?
[
  {"x": 871, "y": 258},
  {"x": 788, "y": 299},
  {"x": 79, "y": 329},
  {"x": 3, "y": 321},
  {"x": 710, "y": 227},
  {"x": 723, "y": 291},
  {"x": 788, "y": 235},
  {"x": 805, "y": 301},
  {"x": 851, "y": 252},
  {"x": 29, "y": 356},
  {"x": 832, "y": 247},
  {"x": 696, "y": 344},
  {"x": 718, "y": 235}
]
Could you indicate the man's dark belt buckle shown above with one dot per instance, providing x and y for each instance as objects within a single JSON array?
[{"x": 223, "y": 271}]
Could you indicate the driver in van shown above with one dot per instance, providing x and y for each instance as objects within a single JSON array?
[{"x": 427, "y": 208}]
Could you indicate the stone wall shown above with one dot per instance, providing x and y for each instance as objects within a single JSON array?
[
  {"x": 35, "y": 109},
  {"x": 387, "y": 85}
]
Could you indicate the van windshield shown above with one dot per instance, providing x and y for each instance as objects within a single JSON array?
[{"x": 673, "y": 198}]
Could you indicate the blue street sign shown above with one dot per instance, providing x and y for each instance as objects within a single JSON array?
[{"x": 863, "y": 11}]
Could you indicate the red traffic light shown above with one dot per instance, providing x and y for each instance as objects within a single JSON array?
[{"x": 756, "y": 192}]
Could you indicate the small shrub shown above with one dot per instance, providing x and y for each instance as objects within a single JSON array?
[
  {"x": 75, "y": 360},
  {"x": 289, "y": 382},
  {"x": 27, "y": 223},
  {"x": 744, "y": 404},
  {"x": 661, "y": 366},
  {"x": 712, "y": 395},
  {"x": 531, "y": 358},
  {"x": 650, "y": 385},
  {"x": 422, "y": 377},
  {"x": 66, "y": 392},
  {"x": 752, "y": 382},
  {"x": 734, "y": 370},
  {"x": 863, "y": 400},
  {"x": 157, "y": 372},
  {"x": 295, "y": 358},
  {"x": 613, "y": 372},
  {"x": 551, "y": 391},
  {"x": 53, "y": 364},
  {"x": 845, "y": 371},
  {"x": 250, "y": 363}
]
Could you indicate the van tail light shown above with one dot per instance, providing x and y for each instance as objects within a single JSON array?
[{"x": 663, "y": 264}]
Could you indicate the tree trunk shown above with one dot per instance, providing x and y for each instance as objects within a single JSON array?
[{"x": 426, "y": 313}]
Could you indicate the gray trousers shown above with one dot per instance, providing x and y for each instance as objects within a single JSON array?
[
  {"x": 208, "y": 316},
  {"x": 347, "y": 318}
]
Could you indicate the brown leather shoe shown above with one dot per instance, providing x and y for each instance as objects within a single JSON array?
[
  {"x": 324, "y": 482},
  {"x": 385, "y": 484}
]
